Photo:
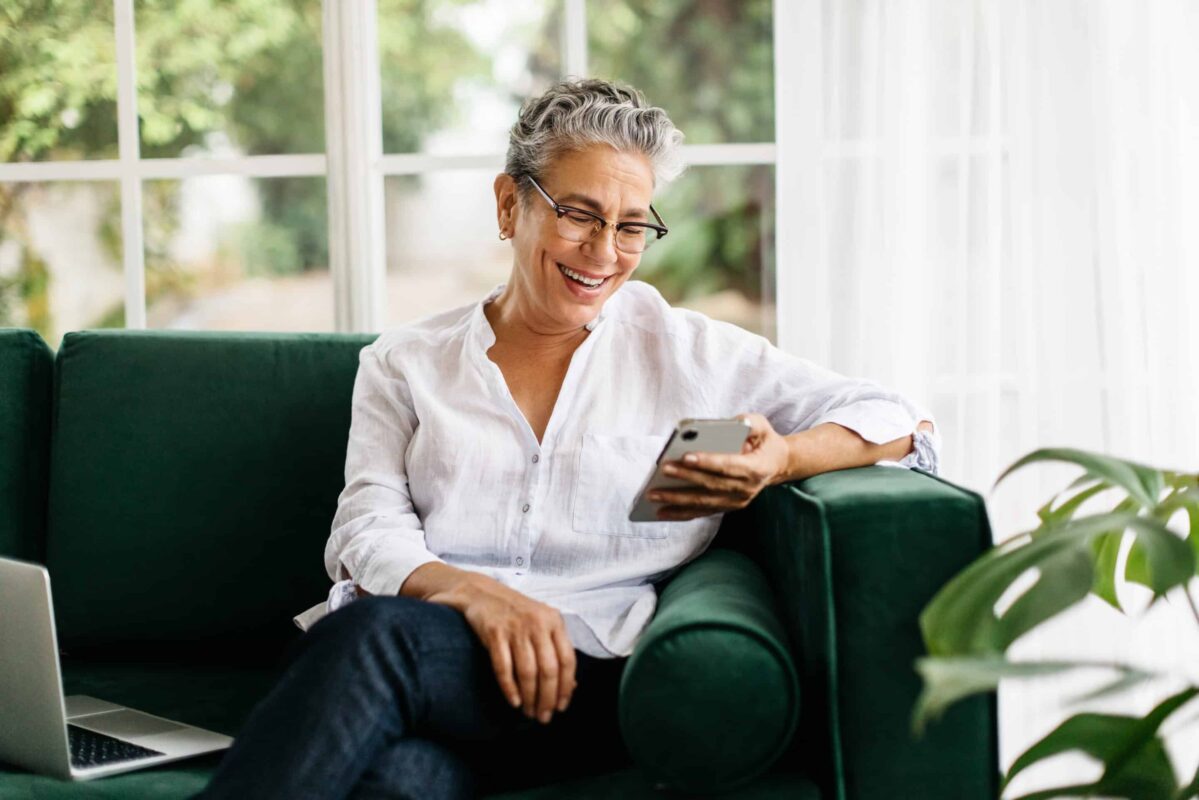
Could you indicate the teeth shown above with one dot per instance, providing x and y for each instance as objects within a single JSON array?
[{"x": 580, "y": 278}]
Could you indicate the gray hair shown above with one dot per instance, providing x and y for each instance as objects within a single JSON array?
[{"x": 572, "y": 115}]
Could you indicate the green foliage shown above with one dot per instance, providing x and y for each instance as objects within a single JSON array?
[
  {"x": 709, "y": 63},
  {"x": 1070, "y": 556},
  {"x": 422, "y": 59},
  {"x": 718, "y": 234},
  {"x": 265, "y": 249},
  {"x": 58, "y": 83},
  {"x": 250, "y": 73},
  {"x": 1134, "y": 758}
]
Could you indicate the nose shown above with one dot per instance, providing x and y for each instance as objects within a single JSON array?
[{"x": 601, "y": 248}]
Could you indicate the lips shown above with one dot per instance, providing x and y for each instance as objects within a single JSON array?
[{"x": 573, "y": 276}]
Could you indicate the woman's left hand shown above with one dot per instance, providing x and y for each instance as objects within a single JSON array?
[{"x": 725, "y": 482}]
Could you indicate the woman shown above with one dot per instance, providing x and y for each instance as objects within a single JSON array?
[{"x": 493, "y": 454}]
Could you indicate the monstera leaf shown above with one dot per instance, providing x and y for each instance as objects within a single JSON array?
[
  {"x": 1134, "y": 759},
  {"x": 962, "y": 620},
  {"x": 970, "y": 624}
]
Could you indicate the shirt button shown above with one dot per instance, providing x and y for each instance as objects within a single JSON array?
[
  {"x": 525, "y": 507},
  {"x": 536, "y": 458},
  {"x": 520, "y": 561}
]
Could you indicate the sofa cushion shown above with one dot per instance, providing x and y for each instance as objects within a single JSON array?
[
  {"x": 709, "y": 698},
  {"x": 220, "y": 698},
  {"x": 194, "y": 477},
  {"x": 25, "y": 373}
]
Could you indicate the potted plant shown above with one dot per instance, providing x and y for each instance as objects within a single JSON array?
[{"x": 968, "y": 630}]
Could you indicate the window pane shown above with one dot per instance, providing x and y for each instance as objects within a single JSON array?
[
  {"x": 709, "y": 63},
  {"x": 718, "y": 257},
  {"x": 233, "y": 253},
  {"x": 60, "y": 257},
  {"x": 428, "y": 269},
  {"x": 230, "y": 78},
  {"x": 454, "y": 73},
  {"x": 58, "y": 81}
]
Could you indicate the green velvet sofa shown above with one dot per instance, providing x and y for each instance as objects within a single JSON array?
[{"x": 180, "y": 487}]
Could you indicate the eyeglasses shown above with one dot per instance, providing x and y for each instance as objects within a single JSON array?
[{"x": 580, "y": 225}]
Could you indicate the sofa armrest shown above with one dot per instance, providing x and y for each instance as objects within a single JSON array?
[{"x": 853, "y": 557}]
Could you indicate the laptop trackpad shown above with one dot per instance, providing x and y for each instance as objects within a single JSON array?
[{"x": 127, "y": 724}]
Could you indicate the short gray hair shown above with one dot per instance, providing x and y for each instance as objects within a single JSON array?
[{"x": 572, "y": 115}]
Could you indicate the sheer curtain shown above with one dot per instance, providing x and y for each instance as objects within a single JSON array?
[{"x": 1009, "y": 224}]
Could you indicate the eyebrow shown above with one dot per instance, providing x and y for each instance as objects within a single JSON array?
[{"x": 571, "y": 199}]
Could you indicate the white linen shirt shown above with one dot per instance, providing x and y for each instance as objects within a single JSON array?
[{"x": 441, "y": 464}]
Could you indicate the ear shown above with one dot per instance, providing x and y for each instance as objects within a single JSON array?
[{"x": 506, "y": 203}]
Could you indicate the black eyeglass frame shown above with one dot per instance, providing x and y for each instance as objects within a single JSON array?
[{"x": 561, "y": 210}]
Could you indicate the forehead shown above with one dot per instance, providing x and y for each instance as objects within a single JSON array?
[{"x": 602, "y": 178}]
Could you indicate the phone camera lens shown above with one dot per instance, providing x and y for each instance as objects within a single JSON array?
[{"x": 689, "y": 435}]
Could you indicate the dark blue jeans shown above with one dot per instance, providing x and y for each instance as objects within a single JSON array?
[{"x": 391, "y": 697}]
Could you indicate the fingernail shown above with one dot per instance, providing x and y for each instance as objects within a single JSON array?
[
  {"x": 689, "y": 458},
  {"x": 561, "y": 705},
  {"x": 545, "y": 717},
  {"x": 669, "y": 470}
]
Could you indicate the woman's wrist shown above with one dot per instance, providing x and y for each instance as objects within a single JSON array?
[
  {"x": 831, "y": 446},
  {"x": 438, "y": 582},
  {"x": 803, "y": 453}
]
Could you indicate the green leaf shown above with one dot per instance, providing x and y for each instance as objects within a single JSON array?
[
  {"x": 1186, "y": 497},
  {"x": 961, "y": 618},
  {"x": 1065, "y": 511},
  {"x": 1141, "y": 482},
  {"x": 1160, "y": 563},
  {"x": 1129, "y": 678},
  {"x": 1107, "y": 551},
  {"x": 1135, "y": 762},
  {"x": 947, "y": 680}
]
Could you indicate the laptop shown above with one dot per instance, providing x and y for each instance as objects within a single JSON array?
[{"x": 76, "y": 737}]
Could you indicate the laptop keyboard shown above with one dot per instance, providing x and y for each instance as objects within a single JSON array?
[{"x": 91, "y": 749}]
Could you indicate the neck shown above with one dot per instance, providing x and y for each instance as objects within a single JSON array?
[{"x": 516, "y": 323}]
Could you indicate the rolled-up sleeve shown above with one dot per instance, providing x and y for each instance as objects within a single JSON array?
[
  {"x": 796, "y": 394},
  {"x": 377, "y": 539}
]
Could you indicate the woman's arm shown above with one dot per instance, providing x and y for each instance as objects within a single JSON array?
[
  {"x": 377, "y": 537},
  {"x": 531, "y": 652},
  {"x": 725, "y": 482},
  {"x": 831, "y": 446},
  {"x": 378, "y": 540}
]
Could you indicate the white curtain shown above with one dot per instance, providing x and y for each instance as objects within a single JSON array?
[{"x": 1010, "y": 234}]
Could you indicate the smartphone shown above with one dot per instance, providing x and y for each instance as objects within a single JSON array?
[{"x": 690, "y": 436}]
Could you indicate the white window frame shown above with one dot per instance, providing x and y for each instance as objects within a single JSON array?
[{"x": 355, "y": 166}]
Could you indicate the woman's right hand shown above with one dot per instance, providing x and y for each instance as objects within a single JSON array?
[{"x": 531, "y": 653}]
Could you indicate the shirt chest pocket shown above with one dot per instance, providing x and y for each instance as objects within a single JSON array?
[{"x": 611, "y": 471}]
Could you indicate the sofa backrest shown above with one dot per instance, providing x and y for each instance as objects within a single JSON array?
[
  {"x": 26, "y": 365},
  {"x": 194, "y": 477}
]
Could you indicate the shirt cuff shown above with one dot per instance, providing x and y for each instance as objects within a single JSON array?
[
  {"x": 876, "y": 421},
  {"x": 388, "y": 565},
  {"x": 926, "y": 452}
]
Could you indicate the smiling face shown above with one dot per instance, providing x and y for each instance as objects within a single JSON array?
[{"x": 616, "y": 185}]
